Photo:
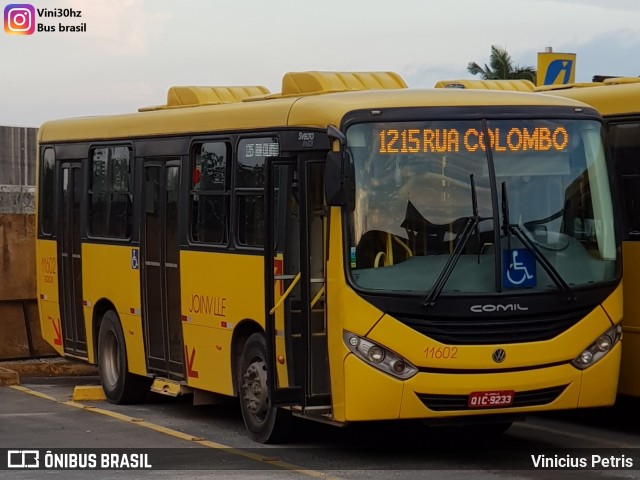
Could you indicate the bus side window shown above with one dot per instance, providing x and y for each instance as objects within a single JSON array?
[
  {"x": 110, "y": 212},
  {"x": 210, "y": 193},
  {"x": 625, "y": 145},
  {"x": 47, "y": 192},
  {"x": 249, "y": 192}
]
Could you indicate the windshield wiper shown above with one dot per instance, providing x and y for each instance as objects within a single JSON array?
[
  {"x": 509, "y": 228},
  {"x": 463, "y": 239}
]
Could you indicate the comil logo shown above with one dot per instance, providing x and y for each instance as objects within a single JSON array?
[{"x": 19, "y": 19}]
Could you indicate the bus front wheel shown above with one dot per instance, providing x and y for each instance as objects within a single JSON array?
[
  {"x": 265, "y": 423},
  {"x": 119, "y": 385}
]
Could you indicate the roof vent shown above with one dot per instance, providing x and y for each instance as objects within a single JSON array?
[
  {"x": 517, "y": 85},
  {"x": 178, "y": 97},
  {"x": 309, "y": 83},
  {"x": 621, "y": 80}
]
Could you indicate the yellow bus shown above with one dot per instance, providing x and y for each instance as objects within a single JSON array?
[
  {"x": 618, "y": 100},
  {"x": 346, "y": 250}
]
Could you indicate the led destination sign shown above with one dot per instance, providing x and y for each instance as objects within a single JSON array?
[{"x": 451, "y": 140}]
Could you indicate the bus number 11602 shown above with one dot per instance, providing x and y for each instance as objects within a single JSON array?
[{"x": 446, "y": 353}]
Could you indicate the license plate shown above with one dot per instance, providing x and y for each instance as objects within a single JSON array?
[{"x": 501, "y": 398}]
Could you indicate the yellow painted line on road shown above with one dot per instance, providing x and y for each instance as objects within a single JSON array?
[
  {"x": 34, "y": 393},
  {"x": 181, "y": 435}
]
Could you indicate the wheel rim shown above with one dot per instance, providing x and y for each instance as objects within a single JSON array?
[
  {"x": 254, "y": 390},
  {"x": 111, "y": 360}
]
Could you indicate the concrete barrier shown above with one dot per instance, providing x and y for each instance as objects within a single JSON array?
[
  {"x": 19, "y": 325},
  {"x": 17, "y": 257},
  {"x": 49, "y": 367},
  {"x": 8, "y": 377},
  {"x": 21, "y": 337}
]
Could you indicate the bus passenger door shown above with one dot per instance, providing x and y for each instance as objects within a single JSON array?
[
  {"x": 295, "y": 284},
  {"x": 70, "y": 260},
  {"x": 160, "y": 262}
]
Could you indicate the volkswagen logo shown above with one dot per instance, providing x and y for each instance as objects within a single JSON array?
[{"x": 499, "y": 355}]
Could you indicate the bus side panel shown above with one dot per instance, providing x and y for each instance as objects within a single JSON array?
[
  {"x": 369, "y": 393},
  {"x": 600, "y": 381},
  {"x": 207, "y": 360},
  {"x": 613, "y": 305},
  {"x": 219, "y": 290},
  {"x": 629, "y": 384},
  {"x": 110, "y": 272},
  {"x": 51, "y": 325},
  {"x": 134, "y": 339},
  {"x": 47, "y": 288},
  {"x": 346, "y": 310}
]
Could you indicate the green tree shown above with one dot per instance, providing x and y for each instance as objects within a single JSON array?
[{"x": 501, "y": 67}]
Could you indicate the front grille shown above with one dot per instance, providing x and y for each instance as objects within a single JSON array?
[
  {"x": 528, "y": 398},
  {"x": 481, "y": 330}
]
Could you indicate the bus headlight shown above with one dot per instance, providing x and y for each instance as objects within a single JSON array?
[
  {"x": 378, "y": 356},
  {"x": 599, "y": 348}
]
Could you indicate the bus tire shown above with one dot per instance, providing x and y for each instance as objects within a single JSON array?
[
  {"x": 265, "y": 424},
  {"x": 120, "y": 386}
]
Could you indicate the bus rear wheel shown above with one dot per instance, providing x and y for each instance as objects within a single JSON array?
[
  {"x": 265, "y": 423},
  {"x": 119, "y": 385}
]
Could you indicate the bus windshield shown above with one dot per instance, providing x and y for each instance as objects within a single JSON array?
[{"x": 418, "y": 184}]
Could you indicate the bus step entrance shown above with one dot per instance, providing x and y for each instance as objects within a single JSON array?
[
  {"x": 319, "y": 410},
  {"x": 322, "y": 414},
  {"x": 171, "y": 388}
]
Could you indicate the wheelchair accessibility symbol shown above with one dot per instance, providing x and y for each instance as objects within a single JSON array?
[
  {"x": 134, "y": 259},
  {"x": 518, "y": 268}
]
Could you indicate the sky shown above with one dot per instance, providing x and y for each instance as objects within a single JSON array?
[{"x": 133, "y": 50}]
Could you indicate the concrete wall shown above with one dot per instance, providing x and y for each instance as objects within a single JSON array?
[
  {"x": 17, "y": 170},
  {"x": 19, "y": 327}
]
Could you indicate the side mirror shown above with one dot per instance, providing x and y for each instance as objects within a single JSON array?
[
  {"x": 339, "y": 180},
  {"x": 339, "y": 173},
  {"x": 334, "y": 179}
]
